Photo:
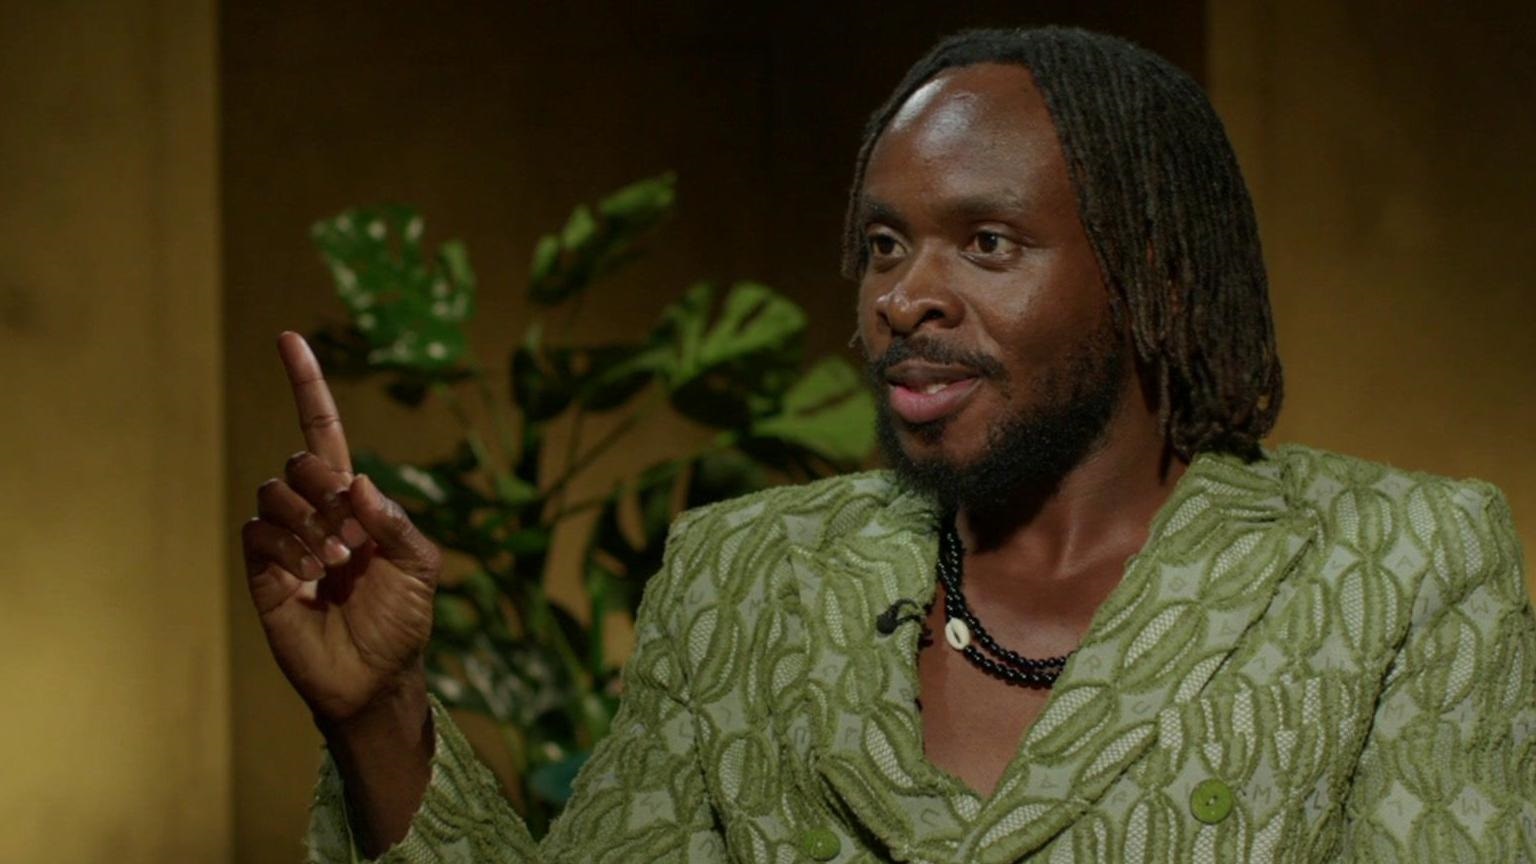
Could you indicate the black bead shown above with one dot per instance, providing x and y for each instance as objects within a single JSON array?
[{"x": 1007, "y": 665}]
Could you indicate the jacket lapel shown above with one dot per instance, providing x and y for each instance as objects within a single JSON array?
[
  {"x": 862, "y": 684},
  {"x": 1215, "y": 553}
]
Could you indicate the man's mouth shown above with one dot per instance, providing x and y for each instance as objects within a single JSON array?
[{"x": 923, "y": 392}]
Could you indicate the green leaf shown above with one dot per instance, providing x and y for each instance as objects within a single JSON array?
[
  {"x": 515, "y": 491},
  {"x": 617, "y": 569},
  {"x": 640, "y": 206},
  {"x": 454, "y": 260},
  {"x": 516, "y": 683},
  {"x": 615, "y": 373},
  {"x": 753, "y": 321},
  {"x": 401, "y": 481},
  {"x": 725, "y": 366},
  {"x": 592, "y": 245},
  {"x": 546, "y": 380},
  {"x": 528, "y": 542},
  {"x": 454, "y": 615},
  {"x": 606, "y": 589},
  {"x": 829, "y": 413},
  {"x": 543, "y": 383},
  {"x": 580, "y": 228},
  {"x": 722, "y": 475},
  {"x": 440, "y": 501},
  {"x": 411, "y": 313},
  {"x": 480, "y": 587},
  {"x": 341, "y": 350},
  {"x": 546, "y": 257}
]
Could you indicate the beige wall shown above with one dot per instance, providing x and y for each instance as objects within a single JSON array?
[
  {"x": 1391, "y": 158},
  {"x": 114, "y": 743}
]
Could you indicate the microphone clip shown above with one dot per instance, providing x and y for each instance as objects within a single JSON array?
[{"x": 887, "y": 622}]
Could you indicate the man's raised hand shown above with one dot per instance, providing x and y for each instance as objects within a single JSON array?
[{"x": 341, "y": 579}]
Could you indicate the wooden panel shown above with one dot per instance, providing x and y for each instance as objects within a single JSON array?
[
  {"x": 1390, "y": 159},
  {"x": 115, "y": 738}
]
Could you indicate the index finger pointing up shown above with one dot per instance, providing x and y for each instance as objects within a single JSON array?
[{"x": 318, "y": 417}]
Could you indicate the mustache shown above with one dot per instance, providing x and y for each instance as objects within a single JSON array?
[{"x": 933, "y": 351}]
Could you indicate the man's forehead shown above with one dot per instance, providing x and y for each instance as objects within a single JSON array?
[
  {"x": 978, "y": 137},
  {"x": 961, "y": 100}
]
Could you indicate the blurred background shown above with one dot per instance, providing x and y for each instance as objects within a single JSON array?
[{"x": 161, "y": 161}]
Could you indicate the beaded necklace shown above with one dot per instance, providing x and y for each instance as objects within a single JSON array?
[{"x": 964, "y": 632}]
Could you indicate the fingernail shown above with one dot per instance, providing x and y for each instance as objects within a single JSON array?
[
  {"x": 310, "y": 569},
  {"x": 353, "y": 534},
  {"x": 336, "y": 552}
]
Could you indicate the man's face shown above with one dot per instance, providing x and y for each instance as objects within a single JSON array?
[{"x": 982, "y": 310}]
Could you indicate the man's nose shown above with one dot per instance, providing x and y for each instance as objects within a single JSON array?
[{"x": 920, "y": 297}]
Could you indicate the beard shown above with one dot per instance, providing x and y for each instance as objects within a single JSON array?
[{"x": 1026, "y": 455}]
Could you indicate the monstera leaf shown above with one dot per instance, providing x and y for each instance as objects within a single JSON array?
[
  {"x": 409, "y": 310},
  {"x": 546, "y": 380},
  {"x": 517, "y": 682},
  {"x": 727, "y": 360},
  {"x": 829, "y": 413},
  {"x": 721, "y": 475},
  {"x": 592, "y": 245},
  {"x": 728, "y": 356},
  {"x": 467, "y": 607},
  {"x": 445, "y": 506},
  {"x": 616, "y": 568},
  {"x": 345, "y": 352},
  {"x": 543, "y": 379}
]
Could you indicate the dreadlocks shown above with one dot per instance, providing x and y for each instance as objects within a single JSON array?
[{"x": 1165, "y": 210}]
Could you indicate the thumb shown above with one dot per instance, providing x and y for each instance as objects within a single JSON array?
[{"x": 391, "y": 528}]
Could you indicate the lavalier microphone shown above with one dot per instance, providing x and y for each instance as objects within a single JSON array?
[{"x": 887, "y": 622}]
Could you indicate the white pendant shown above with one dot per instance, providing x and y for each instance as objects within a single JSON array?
[{"x": 957, "y": 634}]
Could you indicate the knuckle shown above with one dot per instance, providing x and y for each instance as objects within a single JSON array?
[
  {"x": 270, "y": 492},
  {"x": 322, "y": 421},
  {"x": 310, "y": 524},
  {"x": 290, "y": 549},
  {"x": 431, "y": 555},
  {"x": 398, "y": 520},
  {"x": 296, "y": 460}
]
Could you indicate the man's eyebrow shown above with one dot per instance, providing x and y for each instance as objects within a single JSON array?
[
  {"x": 966, "y": 208},
  {"x": 873, "y": 210}
]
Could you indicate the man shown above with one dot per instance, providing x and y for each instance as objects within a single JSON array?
[{"x": 1148, "y": 638}]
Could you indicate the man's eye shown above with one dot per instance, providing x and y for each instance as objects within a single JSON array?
[
  {"x": 991, "y": 243},
  {"x": 883, "y": 245}
]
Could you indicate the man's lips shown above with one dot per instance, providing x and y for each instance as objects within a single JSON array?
[{"x": 922, "y": 393}]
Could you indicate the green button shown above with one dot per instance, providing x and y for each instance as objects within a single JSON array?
[
  {"x": 820, "y": 843},
  {"x": 1211, "y": 801}
]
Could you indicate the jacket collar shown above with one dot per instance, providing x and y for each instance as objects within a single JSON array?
[{"x": 1215, "y": 552}]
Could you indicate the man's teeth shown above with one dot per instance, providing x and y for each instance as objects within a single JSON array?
[{"x": 934, "y": 388}]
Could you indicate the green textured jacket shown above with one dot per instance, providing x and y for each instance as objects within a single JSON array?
[{"x": 1314, "y": 658}]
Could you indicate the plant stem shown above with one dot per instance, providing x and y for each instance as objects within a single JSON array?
[
  {"x": 580, "y": 463},
  {"x": 517, "y": 748},
  {"x": 572, "y": 443},
  {"x": 494, "y": 408},
  {"x": 555, "y": 637},
  {"x": 483, "y": 456},
  {"x": 578, "y": 507}
]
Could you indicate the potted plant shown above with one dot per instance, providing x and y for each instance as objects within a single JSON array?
[{"x": 727, "y": 358}]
